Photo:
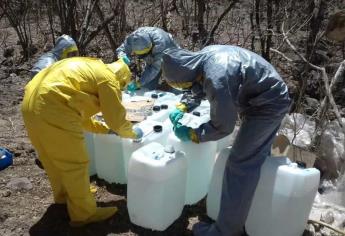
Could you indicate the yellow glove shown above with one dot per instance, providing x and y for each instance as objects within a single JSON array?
[{"x": 182, "y": 107}]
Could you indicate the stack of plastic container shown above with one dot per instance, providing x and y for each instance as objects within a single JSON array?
[
  {"x": 154, "y": 131},
  {"x": 109, "y": 158},
  {"x": 200, "y": 158},
  {"x": 203, "y": 111},
  {"x": 156, "y": 186},
  {"x": 215, "y": 188},
  {"x": 90, "y": 147},
  {"x": 164, "y": 103},
  {"x": 282, "y": 201}
]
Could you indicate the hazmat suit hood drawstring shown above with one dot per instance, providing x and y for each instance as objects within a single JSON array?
[{"x": 181, "y": 66}]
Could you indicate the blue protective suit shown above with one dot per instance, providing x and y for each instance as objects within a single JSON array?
[
  {"x": 64, "y": 45},
  {"x": 235, "y": 81},
  {"x": 156, "y": 41}
]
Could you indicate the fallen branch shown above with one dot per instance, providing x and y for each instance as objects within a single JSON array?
[
  {"x": 12, "y": 125},
  {"x": 326, "y": 225},
  {"x": 338, "y": 77},
  {"x": 281, "y": 54}
]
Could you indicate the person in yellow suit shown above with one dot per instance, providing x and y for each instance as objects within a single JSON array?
[{"x": 57, "y": 107}]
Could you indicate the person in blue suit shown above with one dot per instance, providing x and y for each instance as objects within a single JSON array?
[
  {"x": 148, "y": 43},
  {"x": 65, "y": 47},
  {"x": 236, "y": 82}
]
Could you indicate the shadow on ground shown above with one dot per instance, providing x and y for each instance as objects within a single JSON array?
[{"x": 55, "y": 220}]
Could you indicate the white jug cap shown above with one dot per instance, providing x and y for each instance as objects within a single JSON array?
[{"x": 169, "y": 148}]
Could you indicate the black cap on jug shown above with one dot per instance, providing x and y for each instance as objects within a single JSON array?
[
  {"x": 196, "y": 113},
  {"x": 164, "y": 106},
  {"x": 157, "y": 128},
  {"x": 154, "y": 95},
  {"x": 301, "y": 164},
  {"x": 156, "y": 108}
]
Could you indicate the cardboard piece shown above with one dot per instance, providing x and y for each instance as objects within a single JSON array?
[
  {"x": 138, "y": 110},
  {"x": 282, "y": 147},
  {"x": 297, "y": 154}
]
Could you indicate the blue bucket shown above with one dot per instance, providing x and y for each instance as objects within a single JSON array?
[{"x": 5, "y": 158}]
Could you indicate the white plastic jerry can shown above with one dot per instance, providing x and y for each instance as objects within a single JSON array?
[
  {"x": 215, "y": 188},
  {"x": 224, "y": 142},
  {"x": 214, "y": 192},
  {"x": 160, "y": 112},
  {"x": 156, "y": 186},
  {"x": 200, "y": 159},
  {"x": 282, "y": 200},
  {"x": 154, "y": 131},
  {"x": 90, "y": 147},
  {"x": 109, "y": 158}
]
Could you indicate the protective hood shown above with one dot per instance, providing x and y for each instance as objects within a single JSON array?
[
  {"x": 181, "y": 66},
  {"x": 64, "y": 45},
  {"x": 141, "y": 43},
  {"x": 122, "y": 72}
]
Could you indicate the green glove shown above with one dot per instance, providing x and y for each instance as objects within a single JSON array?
[
  {"x": 186, "y": 133},
  {"x": 132, "y": 86},
  {"x": 175, "y": 116},
  {"x": 182, "y": 132},
  {"x": 126, "y": 59}
]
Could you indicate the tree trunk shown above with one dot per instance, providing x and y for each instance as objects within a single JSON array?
[{"x": 200, "y": 19}]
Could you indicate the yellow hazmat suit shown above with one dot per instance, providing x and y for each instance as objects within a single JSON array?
[{"x": 57, "y": 108}]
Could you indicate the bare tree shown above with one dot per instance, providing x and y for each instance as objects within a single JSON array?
[
  {"x": 17, "y": 13},
  {"x": 163, "y": 8},
  {"x": 201, "y": 9},
  {"x": 210, "y": 35}
]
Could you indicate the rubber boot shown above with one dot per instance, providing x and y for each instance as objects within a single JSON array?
[{"x": 102, "y": 213}]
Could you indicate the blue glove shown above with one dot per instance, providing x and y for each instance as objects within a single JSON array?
[
  {"x": 138, "y": 133},
  {"x": 132, "y": 86},
  {"x": 182, "y": 132},
  {"x": 126, "y": 59},
  {"x": 175, "y": 116}
]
